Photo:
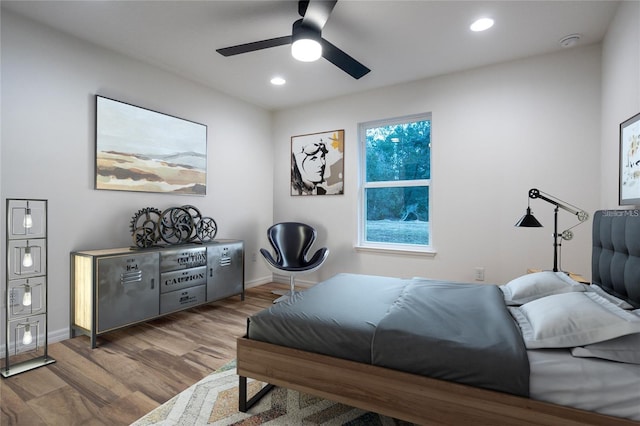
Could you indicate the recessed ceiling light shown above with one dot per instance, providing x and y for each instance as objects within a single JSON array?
[
  {"x": 278, "y": 81},
  {"x": 482, "y": 24}
]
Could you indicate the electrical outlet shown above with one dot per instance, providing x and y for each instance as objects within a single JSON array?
[
  {"x": 479, "y": 273},
  {"x": 254, "y": 256}
]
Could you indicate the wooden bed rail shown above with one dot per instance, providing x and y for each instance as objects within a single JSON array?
[{"x": 404, "y": 396}]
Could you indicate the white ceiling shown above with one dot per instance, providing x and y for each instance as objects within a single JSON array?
[{"x": 399, "y": 41}]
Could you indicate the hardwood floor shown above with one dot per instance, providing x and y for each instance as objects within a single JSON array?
[{"x": 132, "y": 371}]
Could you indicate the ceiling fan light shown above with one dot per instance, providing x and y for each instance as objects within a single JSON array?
[{"x": 306, "y": 50}]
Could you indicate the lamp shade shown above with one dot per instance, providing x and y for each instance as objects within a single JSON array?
[
  {"x": 306, "y": 50},
  {"x": 528, "y": 220},
  {"x": 305, "y": 46}
]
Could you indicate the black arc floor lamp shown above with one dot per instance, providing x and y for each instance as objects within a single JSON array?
[{"x": 529, "y": 221}]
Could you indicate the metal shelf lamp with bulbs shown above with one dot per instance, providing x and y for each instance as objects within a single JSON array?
[{"x": 26, "y": 321}]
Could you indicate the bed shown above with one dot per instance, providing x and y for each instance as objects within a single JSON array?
[{"x": 351, "y": 349}]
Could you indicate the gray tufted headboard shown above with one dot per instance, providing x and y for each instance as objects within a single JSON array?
[{"x": 615, "y": 262}]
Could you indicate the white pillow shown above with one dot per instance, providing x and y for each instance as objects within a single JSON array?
[
  {"x": 623, "y": 349},
  {"x": 572, "y": 319},
  {"x": 538, "y": 284},
  {"x": 611, "y": 298}
]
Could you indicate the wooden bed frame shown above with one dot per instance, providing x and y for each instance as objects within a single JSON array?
[
  {"x": 397, "y": 394},
  {"x": 425, "y": 400}
]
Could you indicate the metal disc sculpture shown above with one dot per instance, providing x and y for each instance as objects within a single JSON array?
[
  {"x": 207, "y": 229},
  {"x": 144, "y": 227},
  {"x": 175, "y": 225}
]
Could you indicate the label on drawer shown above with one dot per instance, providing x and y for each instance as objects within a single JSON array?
[
  {"x": 176, "y": 280},
  {"x": 172, "y": 260},
  {"x": 182, "y": 299}
]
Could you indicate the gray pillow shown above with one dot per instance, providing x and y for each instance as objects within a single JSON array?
[
  {"x": 622, "y": 349},
  {"x": 529, "y": 287},
  {"x": 602, "y": 293},
  {"x": 572, "y": 319}
]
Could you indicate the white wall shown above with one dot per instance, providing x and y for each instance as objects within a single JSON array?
[
  {"x": 49, "y": 82},
  {"x": 620, "y": 92},
  {"x": 497, "y": 132}
]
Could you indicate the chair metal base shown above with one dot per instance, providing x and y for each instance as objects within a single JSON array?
[{"x": 286, "y": 295}]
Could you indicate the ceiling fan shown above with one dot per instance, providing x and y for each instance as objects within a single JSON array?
[{"x": 306, "y": 40}]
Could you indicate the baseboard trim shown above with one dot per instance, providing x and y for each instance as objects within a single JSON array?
[{"x": 257, "y": 282}]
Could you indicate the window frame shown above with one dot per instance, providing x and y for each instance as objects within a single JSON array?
[{"x": 363, "y": 185}]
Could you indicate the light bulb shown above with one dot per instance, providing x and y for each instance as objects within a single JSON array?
[
  {"x": 306, "y": 50},
  {"x": 28, "y": 220},
  {"x": 27, "y": 259},
  {"x": 482, "y": 24},
  {"x": 27, "y": 338},
  {"x": 26, "y": 299}
]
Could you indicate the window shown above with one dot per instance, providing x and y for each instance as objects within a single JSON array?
[{"x": 395, "y": 160}]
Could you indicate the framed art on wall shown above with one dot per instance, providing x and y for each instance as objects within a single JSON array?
[
  {"x": 142, "y": 150},
  {"x": 317, "y": 163},
  {"x": 629, "y": 187}
]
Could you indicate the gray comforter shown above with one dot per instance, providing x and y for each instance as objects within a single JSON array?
[
  {"x": 451, "y": 331},
  {"x": 456, "y": 332}
]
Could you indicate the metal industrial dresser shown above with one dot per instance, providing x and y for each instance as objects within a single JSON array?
[{"x": 115, "y": 288}]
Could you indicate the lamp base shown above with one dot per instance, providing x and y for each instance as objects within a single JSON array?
[{"x": 23, "y": 366}]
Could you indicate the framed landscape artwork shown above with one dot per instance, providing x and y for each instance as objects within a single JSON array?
[
  {"x": 146, "y": 151},
  {"x": 317, "y": 163},
  {"x": 630, "y": 161}
]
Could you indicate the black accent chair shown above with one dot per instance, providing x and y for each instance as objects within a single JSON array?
[{"x": 291, "y": 242}]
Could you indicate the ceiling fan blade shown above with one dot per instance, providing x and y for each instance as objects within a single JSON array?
[
  {"x": 256, "y": 45},
  {"x": 302, "y": 7},
  {"x": 343, "y": 61},
  {"x": 317, "y": 13}
]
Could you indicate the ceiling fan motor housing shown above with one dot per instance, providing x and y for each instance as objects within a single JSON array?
[{"x": 301, "y": 31}]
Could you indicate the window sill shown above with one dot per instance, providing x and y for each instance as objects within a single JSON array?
[{"x": 402, "y": 250}]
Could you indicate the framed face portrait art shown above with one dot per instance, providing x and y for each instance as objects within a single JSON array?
[
  {"x": 629, "y": 186},
  {"x": 317, "y": 163}
]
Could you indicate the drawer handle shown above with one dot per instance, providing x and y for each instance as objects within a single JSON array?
[{"x": 130, "y": 277}]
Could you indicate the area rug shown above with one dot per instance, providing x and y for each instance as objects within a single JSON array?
[{"x": 214, "y": 401}]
